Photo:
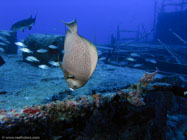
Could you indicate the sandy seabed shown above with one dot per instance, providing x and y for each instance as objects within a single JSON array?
[{"x": 28, "y": 85}]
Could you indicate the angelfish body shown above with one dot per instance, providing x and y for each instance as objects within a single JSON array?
[{"x": 80, "y": 58}]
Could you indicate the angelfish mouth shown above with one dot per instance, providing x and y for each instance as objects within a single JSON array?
[{"x": 71, "y": 89}]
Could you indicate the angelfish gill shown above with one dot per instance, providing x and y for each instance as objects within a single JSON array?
[{"x": 80, "y": 58}]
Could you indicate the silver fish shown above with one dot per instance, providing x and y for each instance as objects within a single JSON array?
[
  {"x": 4, "y": 40},
  {"x": 20, "y": 44},
  {"x": 102, "y": 58},
  {"x": 137, "y": 65},
  {"x": 80, "y": 58},
  {"x": 3, "y": 44},
  {"x": 25, "y": 50},
  {"x": 2, "y": 50},
  {"x": 6, "y": 33},
  {"x": 32, "y": 59},
  {"x": 99, "y": 52},
  {"x": 135, "y": 55},
  {"x": 130, "y": 59},
  {"x": 43, "y": 66},
  {"x": 53, "y": 63},
  {"x": 42, "y": 51},
  {"x": 53, "y": 47},
  {"x": 151, "y": 61}
]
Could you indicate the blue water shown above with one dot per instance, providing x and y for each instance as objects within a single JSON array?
[{"x": 94, "y": 17}]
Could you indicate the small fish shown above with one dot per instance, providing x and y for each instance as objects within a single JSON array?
[
  {"x": 137, "y": 65},
  {"x": 32, "y": 59},
  {"x": 185, "y": 93},
  {"x": 102, "y": 58},
  {"x": 53, "y": 63},
  {"x": 42, "y": 51},
  {"x": 2, "y": 44},
  {"x": 53, "y": 47},
  {"x": 151, "y": 61},
  {"x": 99, "y": 52},
  {"x": 2, "y": 50},
  {"x": 43, "y": 66},
  {"x": 25, "y": 50},
  {"x": 135, "y": 55},
  {"x": 130, "y": 59},
  {"x": 20, "y": 44},
  {"x": 6, "y": 33},
  {"x": 4, "y": 40}
]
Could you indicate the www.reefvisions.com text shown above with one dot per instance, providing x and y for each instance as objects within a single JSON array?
[{"x": 20, "y": 137}]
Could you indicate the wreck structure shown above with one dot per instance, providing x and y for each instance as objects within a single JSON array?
[
  {"x": 163, "y": 46},
  {"x": 170, "y": 22}
]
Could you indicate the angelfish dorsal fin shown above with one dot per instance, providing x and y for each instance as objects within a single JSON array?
[{"x": 72, "y": 26}]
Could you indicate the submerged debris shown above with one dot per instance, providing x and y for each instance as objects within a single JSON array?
[
  {"x": 117, "y": 112},
  {"x": 133, "y": 95}
]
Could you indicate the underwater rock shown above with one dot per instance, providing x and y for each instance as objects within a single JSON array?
[
  {"x": 7, "y": 40},
  {"x": 47, "y": 42}
]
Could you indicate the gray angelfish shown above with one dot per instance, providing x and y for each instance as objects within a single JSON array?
[{"x": 80, "y": 58}]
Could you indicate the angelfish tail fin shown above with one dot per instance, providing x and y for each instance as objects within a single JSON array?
[{"x": 72, "y": 26}]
